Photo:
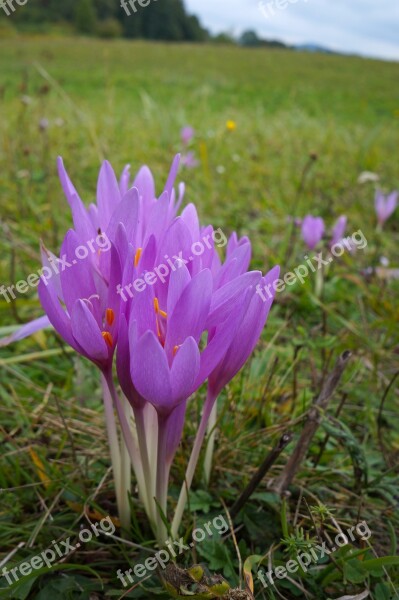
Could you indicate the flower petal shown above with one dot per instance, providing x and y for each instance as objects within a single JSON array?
[
  {"x": 26, "y": 330},
  {"x": 190, "y": 312},
  {"x": 184, "y": 370},
  {"x": 87, "y": 333},
  {"x": 108, "y": 194},
  {"x": 150, "y": 371}
]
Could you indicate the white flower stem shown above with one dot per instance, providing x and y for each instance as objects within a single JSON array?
[
  {"x": 116, "y": 461},
  {"x": 126, "y": 463},
  {"x": 195, "y": 453},
  {"x": 210, "y": 444},
  {"x": 142, "y": 435},
  {"x": 130, "y": 442},
  {"x": 162, "y": 479}
]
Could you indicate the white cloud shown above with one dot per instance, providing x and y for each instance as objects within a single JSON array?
[{"x": 367, "y": 27}]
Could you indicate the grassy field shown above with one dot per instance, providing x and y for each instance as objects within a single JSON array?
[{"x": 306, "y": 127}]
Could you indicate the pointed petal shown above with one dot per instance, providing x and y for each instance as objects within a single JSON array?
[
  {"x": 190, "y": 217},
  {"x": 76, "y": 280},
  {"x": 247, "y": 335},
  {"x": 26, "y": 330},
  {"x": 50, "y": 260},
  {"x": 172, "y": 175},
  {"x": 108, "y": 194},
  {"x": 127, "y": 212},
  {"x": 190, "y": 312},
  {"x": 55, "y": 313},
  {"x": 222, "y": 339},
  {"x": 179, "y": 280},
  {"x": 82, "y": 222},
  {"x": 87, "y": 333},
  {"x": 225, "y": 298},
  {"x": 124, "y": 180},
  {"x": 145, "y": 184},
  {"x": 184, "y": 370},
  {"x": 150, "y": 371}
]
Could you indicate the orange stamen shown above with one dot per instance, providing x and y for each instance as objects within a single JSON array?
[
  {"x": 109, "y": 316},
  {"x": 158, "y": 310},
  {"x": 108, "y": 338},
  {"x": 175, "y": 349},
  {"x": 137, "y": 256}
]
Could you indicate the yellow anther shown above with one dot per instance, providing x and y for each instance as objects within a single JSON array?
[
  {"x": 137, "y": 256},
  {"x": 108, "y": 338},
  {"x": 109, "y": 316},
  {"x": 175, "y": 349}
]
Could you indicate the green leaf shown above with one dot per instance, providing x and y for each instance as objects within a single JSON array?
[
  {"x": 354, "y": 571},
  {"x": 381, "y": 592},
  {"x": 201, "y": 501},
  {"x": 384, "y": 561}
]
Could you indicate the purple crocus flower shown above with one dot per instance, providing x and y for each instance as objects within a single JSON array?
[
  {"x": 338, "y": 231},
  {"x": 134, "y": 206},
  {"x": 89, "y": 321},
  {"x": 236, "y": 320},
  {"x": 187, "y": 134},
  {"x": 312, "y": 231},
  {"x": 189, "y": 161},
  {"x": 385, "y": 205}
]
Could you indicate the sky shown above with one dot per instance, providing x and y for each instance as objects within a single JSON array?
[{"x": 365, "y": 27}]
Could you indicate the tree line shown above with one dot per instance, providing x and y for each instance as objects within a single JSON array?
[{"x": 159, "y": 20}]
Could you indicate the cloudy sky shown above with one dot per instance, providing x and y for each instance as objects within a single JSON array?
[{"x": 367, "y": 27}]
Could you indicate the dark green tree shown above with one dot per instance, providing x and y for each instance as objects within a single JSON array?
[
  {"x": 85, "y": 16},
  {"x": 250, "y": 38}
]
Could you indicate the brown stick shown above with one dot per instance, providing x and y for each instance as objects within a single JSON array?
[
  {"x": 311, "y": 425},
  {"x": 260, "y": 473}
]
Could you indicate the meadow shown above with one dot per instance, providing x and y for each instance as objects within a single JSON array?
[{"x": 305, "y": 127}]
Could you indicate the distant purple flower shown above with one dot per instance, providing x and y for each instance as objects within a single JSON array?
[
  {"x": 187, "y": 134},
  {"x": 338, "y": 231},
  {"x": 189, "y": 161},
  {"x": 312, "y": 231},
  {"x": 385, "y": 205},
  {"x": 43, "y": 124}
]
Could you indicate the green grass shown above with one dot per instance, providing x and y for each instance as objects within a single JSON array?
[{"x": 127, "y": 102}]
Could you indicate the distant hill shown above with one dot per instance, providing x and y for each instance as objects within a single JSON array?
[
  {"x": 251, "y": 39},
  {"x": 313, "y": 48}
]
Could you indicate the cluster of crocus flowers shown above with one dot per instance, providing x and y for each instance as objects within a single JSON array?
[
  {"x": 198, "y": 324},
  {"x": 313, "y": 230}
]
